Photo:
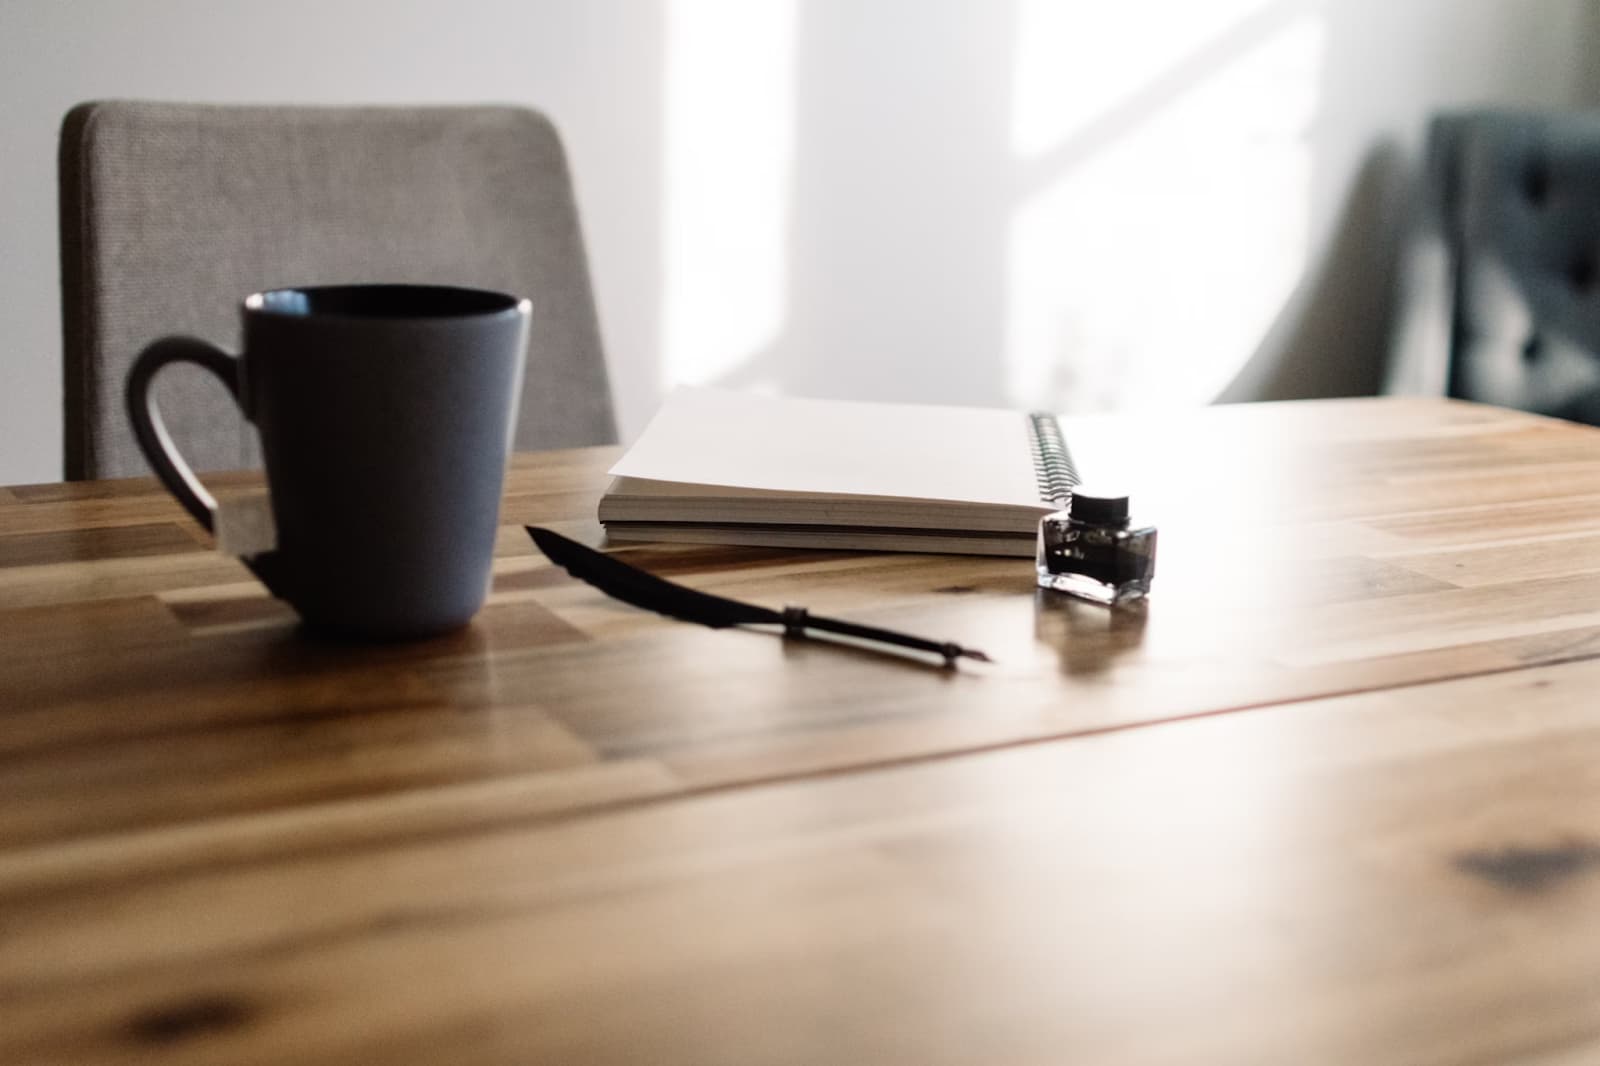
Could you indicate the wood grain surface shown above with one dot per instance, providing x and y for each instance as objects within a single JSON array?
[{"x": 1333, "y": 795}]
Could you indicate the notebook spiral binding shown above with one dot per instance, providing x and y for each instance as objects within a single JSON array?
[{"x": 1052, "y": 461}]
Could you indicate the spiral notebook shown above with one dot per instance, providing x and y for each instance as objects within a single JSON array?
[{"x": 724, "y": 467}]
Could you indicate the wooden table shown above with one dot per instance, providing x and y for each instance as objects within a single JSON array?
[{"x": 1334, "y": 797}]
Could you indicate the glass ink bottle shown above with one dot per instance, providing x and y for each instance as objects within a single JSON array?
[{"x": 1091, "y": 551}]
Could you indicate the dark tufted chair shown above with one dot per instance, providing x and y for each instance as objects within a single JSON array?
[{"x": 1503, "y": 300}]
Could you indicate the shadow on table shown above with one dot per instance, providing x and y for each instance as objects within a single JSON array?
[{"x": 1087, "y": 638}]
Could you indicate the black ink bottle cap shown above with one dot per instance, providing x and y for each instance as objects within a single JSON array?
[{"x": 1098, "y": 508}]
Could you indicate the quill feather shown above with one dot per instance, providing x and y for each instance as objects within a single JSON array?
[{"x": 632, "y": 585}]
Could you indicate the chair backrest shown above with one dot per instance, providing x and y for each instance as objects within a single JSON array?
[
  {"x": 1516, "y": 201},
  {"x": 172, "y": 213}
]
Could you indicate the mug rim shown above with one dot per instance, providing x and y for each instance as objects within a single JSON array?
[{"x": 489, "y": 303}]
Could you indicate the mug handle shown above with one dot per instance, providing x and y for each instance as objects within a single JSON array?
[{"x": 151, "y": 433}]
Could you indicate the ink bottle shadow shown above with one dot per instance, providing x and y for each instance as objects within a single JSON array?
[{"x": 1092, "y": 550}]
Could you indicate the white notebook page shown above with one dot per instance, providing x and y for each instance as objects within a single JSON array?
[{"x": 721, "y": 437}]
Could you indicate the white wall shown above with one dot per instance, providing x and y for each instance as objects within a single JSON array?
[{"x": 1062, "y": 203}]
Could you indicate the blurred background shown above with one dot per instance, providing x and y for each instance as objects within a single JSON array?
[{"x": 1034, "y": 203}]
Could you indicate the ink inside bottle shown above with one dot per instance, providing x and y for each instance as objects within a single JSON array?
[{"x": 1092, "y": 550}]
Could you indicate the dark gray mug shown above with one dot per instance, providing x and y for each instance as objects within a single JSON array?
[{"x": 385, "y": 414}]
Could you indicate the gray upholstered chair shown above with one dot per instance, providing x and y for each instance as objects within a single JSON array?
[
  {"x": 171, "y": 213},
  {"x": 1502, "y": 302}
]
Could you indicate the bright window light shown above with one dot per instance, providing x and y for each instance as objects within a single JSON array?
[
  {"x": 1163, "y": 221},
  {"x": 729, "y": 154}
]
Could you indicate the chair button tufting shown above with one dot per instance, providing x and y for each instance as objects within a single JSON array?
[
  {"x": 1536, "y": 182},
  {"x": 1580, "y": 272}
]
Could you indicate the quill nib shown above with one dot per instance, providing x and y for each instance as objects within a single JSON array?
[{"x": 796, "y": 620}]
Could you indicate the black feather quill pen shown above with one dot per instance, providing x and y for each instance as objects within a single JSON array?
[{"x": 632, "y": 585}]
